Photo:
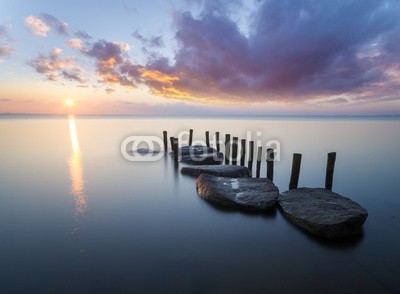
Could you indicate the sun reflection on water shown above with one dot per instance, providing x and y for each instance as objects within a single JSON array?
[{"x": 77, "y": 189}]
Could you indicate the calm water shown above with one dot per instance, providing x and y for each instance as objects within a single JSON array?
[{"x": 76, "y": 217}]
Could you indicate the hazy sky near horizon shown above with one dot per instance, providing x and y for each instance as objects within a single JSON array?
[{"x": 200, "y": 57}]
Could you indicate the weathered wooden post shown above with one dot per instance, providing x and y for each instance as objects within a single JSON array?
[
  {"x": 270, "y": 164},
  {"x": 251, "y": 157},
  {"x": 259, "y": 153},
  {"x": 208, "y": 139},
  {"x": 243, "y": 152},
  {"x": 227, "y": 148},
  {"x": 171, "y": 139},
  {"x": 217, "y": 140},
  {"x": 190, "y": 137},
  {"x": 330, "y": 166},
  {"x": 294, "y": 177},
  {"x": 234, "y": 150},
  {"x": 165, "y": 136},
  {"x": 176, "y": 149}
]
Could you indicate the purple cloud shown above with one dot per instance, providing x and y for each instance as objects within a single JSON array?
[
  {"x": 59, "y": 26},
  {"x": 150, "y": 42},
  {"x": 52, "y": 66},
  {"x": 83, "y": 35},
  {"x": 294, "y": 50}
]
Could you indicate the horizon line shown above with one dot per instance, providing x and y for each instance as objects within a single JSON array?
[{"x": 205, "y": 115}]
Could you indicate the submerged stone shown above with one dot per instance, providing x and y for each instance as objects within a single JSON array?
[
  {"x": 322, "y": 212},
  {"x": 196, "y": 150},
  {"x": 144, "y": 151},
  {"x": 232, "y": 171},
  {"x": 241, "y": 193},
  {"x": 203, "y": 159}
]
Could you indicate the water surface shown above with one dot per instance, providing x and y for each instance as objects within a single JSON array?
[{"x": 75, "y": 216}]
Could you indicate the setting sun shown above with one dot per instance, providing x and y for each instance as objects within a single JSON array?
[{"x": 69, "y": 102}]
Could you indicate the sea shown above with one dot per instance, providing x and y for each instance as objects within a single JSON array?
[{"x": 81, "y": 213}]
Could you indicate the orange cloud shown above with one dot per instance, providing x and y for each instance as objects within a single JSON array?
[{"x": 158, "y": 76}]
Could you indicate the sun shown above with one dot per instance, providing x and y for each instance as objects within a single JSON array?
[{"x": 69, "y": 102}]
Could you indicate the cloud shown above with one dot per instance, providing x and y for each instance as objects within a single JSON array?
[
  {"x": 74, "y": 76},
  {"x": 331, "y": 101},
  {"x": 42, "y": 24},
  {"x": 115, "y": 68},
  {"x": 122, "y": 45},
  {"x": 128, "y": 9},
  {"x": 332, "y": 52},
  {"x": 112, "y": 65},
  {"x": 83, "y": 35},
  {"x": 150, "y": 42},
  {"x": 5, "y": 48},
  {"x": 53, "y": 67},
  {"x": 110, "y": 90},
  {"x": 75, "y": 43},
  {"x": 3, "y": 31},
  {"x": 293, "y": 51},
  {"x": 36, "y": 26},
  {"x": 58, "y": 25}
]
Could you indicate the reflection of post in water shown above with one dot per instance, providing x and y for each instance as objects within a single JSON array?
[{"x": 75, "y": 171}]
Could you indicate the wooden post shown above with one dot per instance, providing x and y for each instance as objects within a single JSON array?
[
  {"x": 251, "y": 157},
  {"x": 243, "y": 152},
  {"x": 171, "y": 139},
  {"x": 234, "y": 150},
  {"x": 259, "y": 153},
  {"x": 208, "y": 139},
  {"x": 270, "y": 164},
  {"x": 165, "y": 136},
  {"x": 294, "y": 177},
  {"x": 227, "y": 148},
  {"x": 330, "y": 166},
  {"x": 217, "y": 141},
  {"x": 176, "y": 148},
  {"x": 190, "y": 137}
]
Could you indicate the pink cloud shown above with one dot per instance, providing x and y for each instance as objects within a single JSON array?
[
  {"x": 75, "y": 43},
  {"x": 36, "y": 26},
  {"x": 41, "y": 25}
]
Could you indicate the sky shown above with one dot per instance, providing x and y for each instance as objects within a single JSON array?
[{"x": 200, "y": 57}]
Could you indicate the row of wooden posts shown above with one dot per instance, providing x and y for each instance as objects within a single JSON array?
[{"x": 295, "y": 174}]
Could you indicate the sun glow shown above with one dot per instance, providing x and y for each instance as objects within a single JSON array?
[
  {"x": 69, "y": 102},
  {"x": 73, "y": 134},
  {"x": 76, "y": 171}
]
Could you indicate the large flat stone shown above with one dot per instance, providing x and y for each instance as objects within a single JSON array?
[
  {"x": 322, "y": 212},
  {"x": 203, "y": 159},
  {"x": 232, "y": 171},
  {"x": 242, "y": 193}
]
